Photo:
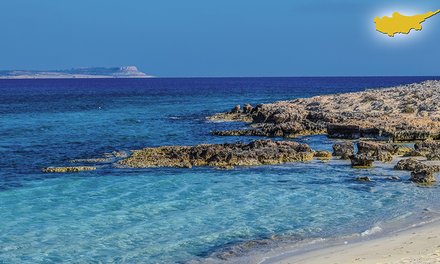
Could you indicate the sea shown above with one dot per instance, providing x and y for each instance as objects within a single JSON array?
[{"x": 177, "y": 215}]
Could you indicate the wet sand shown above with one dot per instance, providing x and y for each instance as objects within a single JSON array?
[{"x": 416, "y": 245}]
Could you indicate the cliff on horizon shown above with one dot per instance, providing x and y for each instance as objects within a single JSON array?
[{"x": 85, "y": 73}]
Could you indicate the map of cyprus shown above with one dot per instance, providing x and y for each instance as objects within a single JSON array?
[{"x": 401, "y": 24}]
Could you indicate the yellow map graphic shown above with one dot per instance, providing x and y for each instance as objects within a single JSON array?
[{"x": 401, "y": 24}]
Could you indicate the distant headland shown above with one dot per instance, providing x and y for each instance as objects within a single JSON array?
[{"x": 78, "y": 73}]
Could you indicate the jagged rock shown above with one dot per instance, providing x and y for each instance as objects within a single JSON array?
[
  {"x": 258, "y": 152},
  {"x": 323, "y": 155},
  {"x": 361, "y": 161},
  {"x": 247, "y": 108},
  {"x": 433, "y": 155},
  {"x": 236, "y": 109},
  {"x": 424, "y": 176},
  {"x": 429, "y": 149},
  {"x": 343, "y": 131},
  {"x": 343, "y": 149},
  {"x": 412, "y": 164},
  {"x": 409, "y": 165},
  {"x": 373, "y": 149},
  {"x": 379, "y": 151},
  {"x": 416, "y": 153},
  {"x": 401, "y": 150},
  {"x": 384, "y": 156},
  {"x": 379, "y": 113},
  {"x": 67, "y": 169},
  {"x": 247, "y": 132},
  {"x": 431, "y": 146}
]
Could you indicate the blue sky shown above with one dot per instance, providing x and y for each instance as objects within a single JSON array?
[{"x": 217, "y": 37}]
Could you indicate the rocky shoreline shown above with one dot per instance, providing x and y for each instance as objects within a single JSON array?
[
  {"x": 403, "y": 113},
  {"x": 372, "y": 122}
]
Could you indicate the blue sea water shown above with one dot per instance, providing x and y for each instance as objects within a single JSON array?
[{"x": 170, "y": 215}]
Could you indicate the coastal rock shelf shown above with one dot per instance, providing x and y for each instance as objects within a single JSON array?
[
  {"x": 403, "y": 113},
  {"x": 68, "y": 169},
  {"x": 258, "y": 152}
]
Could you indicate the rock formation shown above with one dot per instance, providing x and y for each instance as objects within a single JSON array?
[
  {"x": 404, "y": 113},
  {"x": 258, "y": 152},
  {"x": 68, "y": 169},
  {"x": 413, "y": 164},
  {"x": 420, "y": 172},
  {"x": 424, "y": 176},
  {"x": 361, "y": 161},
  {"x": 323, "y": 155},
  {"x": 343, "y": 149}
]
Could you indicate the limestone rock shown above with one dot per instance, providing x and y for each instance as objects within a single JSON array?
[
  {"x": 404, "y": 113},
  {"x": 258, "y": 152},
  {"x": 343, "y": 149},
  {"x": 361, "y": 161},
  {"x": 323, "y": 155},
  {"x": 410, "y": 164},
  {"x": 424, "y": 176},
  {"x": 68, "y": 169}
]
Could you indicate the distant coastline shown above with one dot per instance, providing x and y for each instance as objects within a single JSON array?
[{"x": 78, "y": 73}]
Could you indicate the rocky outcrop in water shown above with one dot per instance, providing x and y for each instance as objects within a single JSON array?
[
  {"x": 428, "y": 149},
  {"x": 380, "y": 151},
  {"x": 404, "y": 113},
  {"x": 323, "y": 155},
  {"x": 361, "y": 161},
  {"x": 420, "y": 172},
  {"x": 413, "y": 164},
  {"x": 343, "y": 149},
  {"x": 423, "y": 176},
  {"x": 68, "y": 169},
  {"x": 258, "y": 152}
]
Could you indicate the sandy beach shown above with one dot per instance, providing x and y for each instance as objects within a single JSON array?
[{"x": 416, "y": 245}]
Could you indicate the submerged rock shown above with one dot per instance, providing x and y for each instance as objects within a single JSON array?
[
  {"x": 361, "y": 161},
  {"x": 67, "y": 169},
  {"x": 363, "y": 179},
  {"x": 258, "y": 152},
  {"x": 343, "y": 150},
  {"x": 106, "y": 158}
]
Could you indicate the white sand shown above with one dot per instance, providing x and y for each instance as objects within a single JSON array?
[{"x": 417, "y": 245}]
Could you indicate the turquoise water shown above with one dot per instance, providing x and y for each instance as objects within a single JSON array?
[{"x": 171, "y": 215}]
